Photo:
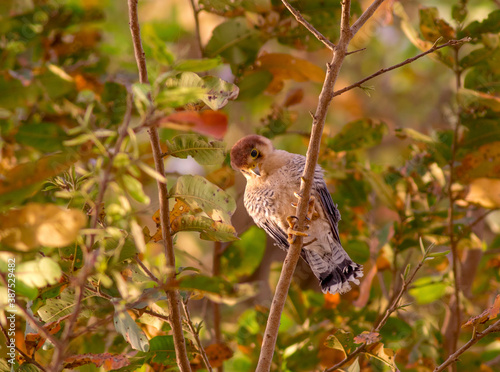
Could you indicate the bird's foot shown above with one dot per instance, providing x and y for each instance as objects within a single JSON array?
[{"x": 292, "y": 233}]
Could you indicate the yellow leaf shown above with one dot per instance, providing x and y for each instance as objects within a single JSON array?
[
  {"x": 284, "y": 66},
  {"x": 485, "y": 192},
  {"x": 40, "y": 225}
]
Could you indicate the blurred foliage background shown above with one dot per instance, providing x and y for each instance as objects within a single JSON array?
[{"x": 412, "y": 155}]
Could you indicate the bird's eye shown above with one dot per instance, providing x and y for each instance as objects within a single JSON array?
[{"x": 254, "y": 153}]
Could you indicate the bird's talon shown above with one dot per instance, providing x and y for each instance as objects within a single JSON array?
[
  {"x": 297, "y": 195},
  {"x": 296, "y": 233},
  {"x": 294, "y": 205}
]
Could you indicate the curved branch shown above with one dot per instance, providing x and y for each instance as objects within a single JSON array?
[
  {"x": 172, "y": 295},
  {"x": 495, "y": 327}
]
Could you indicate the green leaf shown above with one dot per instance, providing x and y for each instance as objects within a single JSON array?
[
  {"x": 213, "y": 91},
  {"x": 218, "y": 289},
  {"x": 46, "y": 137},
  {"x": 22, "y": 289},
  {"x": 489, "y": 25},
  {"x": 358, "y": 134},
  {"x": 427, "y": 290},
  {"x": 235, "y": 41},
  {"x": 253, "y": 84},
  {"x": 198, "y": 65},
  {"x": 162, "y": 350},
  {"x": 134, "y": 188},
  {"x": 438, "y": 254},
  {"x": 39, "y": 273},
  {"x": 396, "y": 330},
  {"x": 202, "y": 195},
  {"x": 128, "y": 328},
  {"x": 358, "y": 250},
  {"x": 174, "y": 97},
  {"x": 208, "y": 228},
  {"x": 476, "y": 56},
  {"x": 341, "y": 340},
  {"x": 469, "y": 97},
  {"x": 242, "y": 258},
  {"x": 56, "y": 308},
  {"x": 203, "y": 151}
]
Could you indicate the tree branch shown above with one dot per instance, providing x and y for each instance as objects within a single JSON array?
[
  {"x": 309, "y": 27},
  {"x": 325, "y": 98},
  {"x": 495, "y": 327},
  {"x": 366, "y": 16},
  {"x": 172, "y": 295},
  {"x": 216, "y": 306},
  {"x": 409, "y": 60},
  {"x": 196, "y": 336}
]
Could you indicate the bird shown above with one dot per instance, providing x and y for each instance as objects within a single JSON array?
[{"x": 273, "y": 179}]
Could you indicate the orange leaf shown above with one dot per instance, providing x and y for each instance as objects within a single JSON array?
[
  {"x": 222, "y": 177},
  {"x": 110, "y": 361},
  {"x": 211, "y": 123},
  {"x": 217, "y": 354},
  {"x": 488, "y": 314}
]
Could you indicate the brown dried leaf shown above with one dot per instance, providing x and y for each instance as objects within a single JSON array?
[
  {"x": 217, "y": 354},
  {"x": 109, "y": 361},
  {"x": 367, "y": 337},
  {"x": 485, "y": 162},
  {"x": 488, "y": 314}
]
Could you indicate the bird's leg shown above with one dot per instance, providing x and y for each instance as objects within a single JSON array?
[{"x": 292, "y": 233}]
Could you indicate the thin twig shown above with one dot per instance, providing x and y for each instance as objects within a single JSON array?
[
  {"x": 365, "y": 16},
  {"x": 391, "y": 308},
  {"x": 309, "y": 27},
  {"x": 409, "y": 60},
  {"x": 196, "y": 13},
  {"x": 173, "y": 297},
  {"x": 495, "y": 327},
  {"x": 146, "y": 270},
  {"x": 196, "y": 336},
  {"x": 216, "y": 306}
]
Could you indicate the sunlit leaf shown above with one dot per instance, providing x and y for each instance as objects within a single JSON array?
[
  {"x": 386, "y": 356},
  {"x": 341, "y": 340},
  {"x": 39, "y": 273},
  {"x": 208, "y": 228},
  {"x": 433, "y": 27},
  {"x": 203, "y": 151},
  {"x": 37, "y": 225},
  {"x": 198, "y": 65},
  {"x": 200, "y": 194},
  {"x": 135, "y": 189},
  {"x": 217, "y": 92},
  {"x": 129, "y": 329},
  {"x": 427, "y": 290},
  {"x": 484, "y": 192},
  {"x": 490, "y": 24}
]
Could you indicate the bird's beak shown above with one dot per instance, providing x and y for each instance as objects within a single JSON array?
[{"x": 255, "y": 170}]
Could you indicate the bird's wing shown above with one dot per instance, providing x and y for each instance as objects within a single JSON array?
[
  {"x": 275, "y": 232},
  {"x": 329, "y": 207}
]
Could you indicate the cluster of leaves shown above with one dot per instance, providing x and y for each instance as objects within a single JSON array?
[{"x": 75, "y": 172}]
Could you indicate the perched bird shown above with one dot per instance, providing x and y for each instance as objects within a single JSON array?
[{"x": 273, "y": 179}]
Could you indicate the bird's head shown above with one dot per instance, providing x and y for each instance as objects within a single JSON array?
[{"x": 248, "y": 154}]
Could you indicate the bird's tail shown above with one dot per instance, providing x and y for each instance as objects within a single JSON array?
[{"x": 337, "y": 278}]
